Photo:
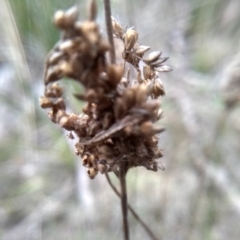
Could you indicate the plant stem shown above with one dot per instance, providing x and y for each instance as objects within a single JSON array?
[
  {"x": 144, "y": 225},
  {"x": 107, "y": 10},
  {"x": 122, "y": 178}
]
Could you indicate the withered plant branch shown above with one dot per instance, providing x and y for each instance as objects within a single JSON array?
[
  {"x": 144, "y": 225},
  {"x": 107, "y": 10},
  {"x": 124, "y": 204}
]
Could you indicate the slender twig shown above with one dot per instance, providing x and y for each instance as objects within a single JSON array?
[
  {"x": 144, "y": 225},
  {"x": 122, "y": 178},
  {"x": 107, "y": 10}
]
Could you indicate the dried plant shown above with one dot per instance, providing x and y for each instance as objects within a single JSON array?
[{"x": 116, "y": 129}]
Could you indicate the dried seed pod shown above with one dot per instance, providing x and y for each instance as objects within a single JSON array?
[
  {"x": 91, "y": 95},
  {"x": 141, "y": 94},
  {"x": 45, "y": 102},
  {"x": 163, "y": 68},
  {"x": 70, "y": 46},
  {"x": 92, "y": 172},
  {"x": 115, "y": 73},
  {"x": 130, "y": 39},
  {"x": 90, "y": 32},
  {"x": 158, "y": 62},
  {"x": 107, "y": 120},
  {"x": 146, "y": 128},
  {"x": 158, "y": 89},
  {"x": 129, "y": 98},
  {"x": 54, "y": 91},
  {"x": 55, "y": 58},
  {"x": 105, "y": 150},
  {"x": 66, "y": 68},
  {"x": 147, "y": 72},
  {"x": 92, "y": 10},
  {"x": 118, "y": 30},
  {"x": 159, "y": 114},
  {"x": 102, "y": 168},
  {"x": 59, "y": 19},
  {"x": 59, "y": 104},
  {"x": 153, "y": 56},
  {"x": 141, "y": 49},
  {"x": 119, "y": 108},
  {"x": 85, "y": 161},
  {"x": 53, "y": 74},
  {"x": 103, "y": 46},
  {"x": 71, "y": 16}
]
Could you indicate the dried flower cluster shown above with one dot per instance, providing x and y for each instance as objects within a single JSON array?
[{"x": 117, "y": 122}]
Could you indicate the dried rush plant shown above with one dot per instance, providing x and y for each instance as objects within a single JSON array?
[{"x": 115, "y": 131}]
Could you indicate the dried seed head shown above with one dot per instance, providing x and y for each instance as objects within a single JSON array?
[
  {"x": 118, "y": 120},
  {"x": 130, "y": 39}
]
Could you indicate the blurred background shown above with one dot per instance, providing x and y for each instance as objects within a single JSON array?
[{"x": 45, "y": 192}]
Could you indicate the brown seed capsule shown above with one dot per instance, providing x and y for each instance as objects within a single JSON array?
[
  {"x": 141, "y": 94},
  {"x": 118, "y": 30},
  {"x": 158, "y": 89},
  {"x": 130, "y": 39},
  {"x": 54, "y": 91},
  {"x": 92, "y": 10},
  {"x": 59, "y": 19},
  {"x": 147, "y": 72},
  {"x": 129, "y": 97},
  {"x": 70, "y": 46},
  {"x": 107, "y": 120},
  {"x": 90, "y": 32},
  {"x": 92, "y": 172},
  {"x": 102, "y": 168},
  {"x": 45, "y": 102},
  {"x": 119, "y": 108},
  {"x": 59, "y": 104},
  {"x": 146, "y": 128},
  {"x": 153, "y": 56},
  {"x": 66, "y": 68},
  {"x": 115, "y": 73},
  {"x": 71, "y": 16},
  {"x": 158, "y": 62},
  {"x": 53, "y": 74},
  {"x": 141, "y": 49},
  {"x": 55, "y": 58}
]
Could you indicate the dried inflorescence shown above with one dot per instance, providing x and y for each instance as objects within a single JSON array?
[{"x": 117, "y": 123}]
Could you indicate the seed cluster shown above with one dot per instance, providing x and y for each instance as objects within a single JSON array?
[{"x": 117, "y": 123}]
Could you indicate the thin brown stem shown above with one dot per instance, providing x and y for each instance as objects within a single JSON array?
[
  {"x": 107, "y": 10},
  {"x": 122, "y": 178},
  {"x": 144, "y": 225}
]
